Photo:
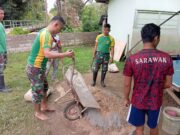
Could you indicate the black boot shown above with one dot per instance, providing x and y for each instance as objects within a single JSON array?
[
  {"x": 2, "y": 85},
  {"x": 94, "y": 78},
  {"x": 103, "y": 75}
]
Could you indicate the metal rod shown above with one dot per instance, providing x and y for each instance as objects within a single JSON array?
[
  {"x": 68, "y": 100},
  {"x": 84, "y": 110},
  {"x": 67, "y": 92}
]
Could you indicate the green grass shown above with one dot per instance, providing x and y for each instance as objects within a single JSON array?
[
  {"x": 16, "y": 116},
  {"x": 19, "y": 31}
]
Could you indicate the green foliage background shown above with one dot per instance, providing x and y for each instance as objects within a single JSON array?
[
  {"x": 89, "y": 14},
  {"x": 23, "y": 9},
  {"x": 19, "y": 31}
]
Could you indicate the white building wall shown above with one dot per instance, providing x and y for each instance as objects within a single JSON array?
[
  {"x": 121, "y": 14},
  {"x": 160, "y": 5}
]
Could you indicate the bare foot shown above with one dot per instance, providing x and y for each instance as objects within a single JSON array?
[
  {"x": 41, "y": 116},
  {"x": 47, "y": 109}
]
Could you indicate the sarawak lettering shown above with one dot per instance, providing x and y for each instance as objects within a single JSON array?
[{"x": 151, "y": 60}]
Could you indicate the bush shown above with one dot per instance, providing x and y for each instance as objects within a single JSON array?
[
  {"x": 19, "y": 31},
  {"x": 70, "y": 29},
  {"x": 90, "y": 18},
  {"x": 90, "y": 26}
]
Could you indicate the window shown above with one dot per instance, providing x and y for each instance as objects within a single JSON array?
[{"x": 143, "y": 17}]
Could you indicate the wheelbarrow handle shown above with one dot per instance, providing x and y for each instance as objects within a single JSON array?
[{"x": 73, "y": 67}]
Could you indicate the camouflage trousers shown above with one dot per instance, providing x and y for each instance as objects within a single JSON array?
[
  {"x": 38, "y": 82},
  {"x": 3, "y": 62},
  {"x": 101, "y": 59}
]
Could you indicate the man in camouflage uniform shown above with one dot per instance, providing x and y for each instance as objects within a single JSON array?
[
  {"x": 104, "y": 46},
  {"x": 36, "y": 67},
  {"x": 3, "y": 53}
]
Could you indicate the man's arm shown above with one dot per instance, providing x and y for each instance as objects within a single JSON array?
[
  {"x": 95, "y": 49},
  {"x": 51, "y": 55},
  {"x": 112, "y": 49},
  {"x": 127, "y": 89},
  {"x": 170, "y": 72},
  {"x": 168, "y": 82},
  {"x": 112, "y": 54}
]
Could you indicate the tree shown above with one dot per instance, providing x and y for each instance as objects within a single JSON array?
[
  {"x": 91, "y": 15},
  {"x": 14, "y": 9},
  {"x": 35, "y": 10},
  {"x": 79, "y": 14},
  {"x": 23, "y": 9},
  {"x": 59, "y": 7},
  {"x": 70, "y": 10}
]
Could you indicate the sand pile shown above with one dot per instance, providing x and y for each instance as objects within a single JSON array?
[{"x": 112, "y": 114}]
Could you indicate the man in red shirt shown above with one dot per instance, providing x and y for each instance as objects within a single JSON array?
[{"x": 152, "y": 72}]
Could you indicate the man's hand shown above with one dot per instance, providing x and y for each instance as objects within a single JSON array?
[
  {"x": 69, "y": 53},
  {"x": 127, "y": 89},
  {"x": 127, "y": 102},
  {"x": 168, "y": 82},
  {"x": 171, "y": 88},
  {"x": 111, "y": 60},
  {"x": 112, "y": 55}
]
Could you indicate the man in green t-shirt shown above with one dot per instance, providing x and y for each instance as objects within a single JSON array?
[
  {"x": 3, "y": 53},
  {"x": 37, "y": 61},
  {"x": 104, "y": 46}
]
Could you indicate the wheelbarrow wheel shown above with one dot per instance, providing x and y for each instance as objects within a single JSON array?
[{"x": 73, "y": 111}]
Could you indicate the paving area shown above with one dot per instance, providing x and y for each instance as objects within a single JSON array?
[{"x": 112, "y": 109}]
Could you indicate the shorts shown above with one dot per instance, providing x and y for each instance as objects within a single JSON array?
[
  {"x": 101, "y": 59},
  {"x": 136, "y": 117},
  {"x": 39, "y": 84},
  {"x": 3, "y": 62}
]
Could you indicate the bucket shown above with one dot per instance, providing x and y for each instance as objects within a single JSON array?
[{"x": 171, "y": 120}]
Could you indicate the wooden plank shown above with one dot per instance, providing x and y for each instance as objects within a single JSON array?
[
  {"x": 118, "y": 50},
  {"x": 176, "y": 88},
  {"x": 171, "y": 93}
]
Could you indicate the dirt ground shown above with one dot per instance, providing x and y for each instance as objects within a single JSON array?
[{"x": 112, "y": 95}]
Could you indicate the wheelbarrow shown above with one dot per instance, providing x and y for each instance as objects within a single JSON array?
[{"x": 82, "y": 96}]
